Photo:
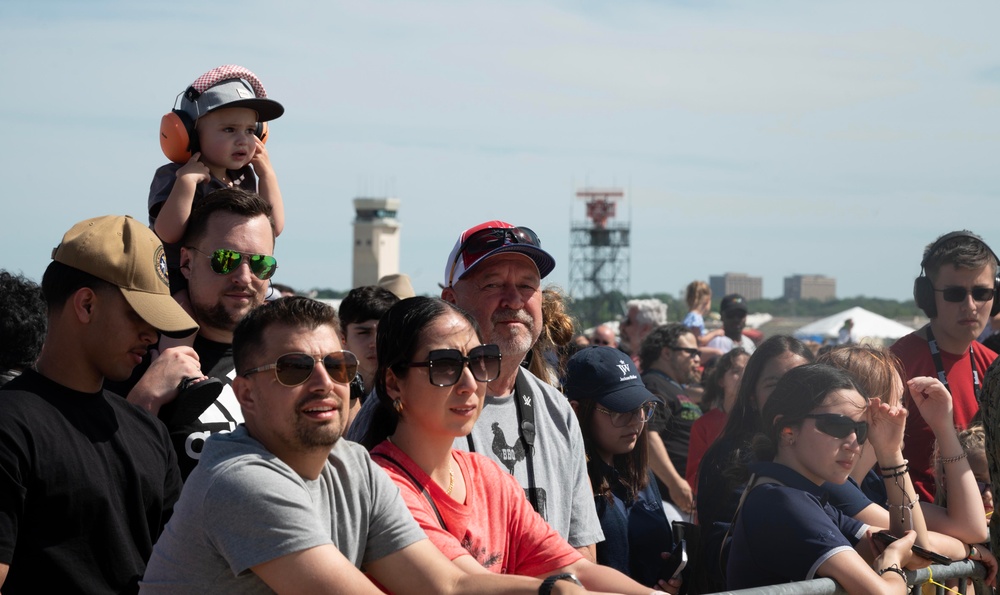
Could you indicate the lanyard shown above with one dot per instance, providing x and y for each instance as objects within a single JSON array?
[
  {"x": 523, "y": 398},
  {"x": 939, "y": 364}
]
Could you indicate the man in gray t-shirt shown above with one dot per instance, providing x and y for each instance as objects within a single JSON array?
[
  {"x": 494, "y": 272},
  {"x": 282, "y": 504}
]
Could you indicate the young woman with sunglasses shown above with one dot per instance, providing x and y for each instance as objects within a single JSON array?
[
  {"x": 877, "y": 371},
  {"x": 816, "y": 422},
  {"x": 431, "y": 384},
  {"x": 613, "y": 406}
]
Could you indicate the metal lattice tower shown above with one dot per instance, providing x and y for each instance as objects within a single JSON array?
[{"x": 599, "y": 254}]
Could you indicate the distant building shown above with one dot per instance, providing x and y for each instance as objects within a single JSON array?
[
  {"x": 751, "y": 288},
  {"x": 376, "y": 239},
  {"x": 810, "y": 287}
]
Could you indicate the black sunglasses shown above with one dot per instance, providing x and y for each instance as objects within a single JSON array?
[
  {"x": 958, "y": 294},
  {"x": 292, "y": 369},
  {"x": 620, "y": 420},
  {"x": 486, "y": 240},
  {"x": 692, "y": 351},
  {"x": 225, "y": 261},
  {"x": 444, "y": 366},
  {"x": 839, "y": 426}
]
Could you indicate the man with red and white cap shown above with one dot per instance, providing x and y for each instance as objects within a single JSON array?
[
  {"x": 88, "y": 480},
  {"x": 494, "y": 271}
]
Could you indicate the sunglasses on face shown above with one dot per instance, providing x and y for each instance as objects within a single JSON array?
[
  {"x": 958, "y": 294},
  {"x": 734, "y": 314},
  {"x": 840, "y": 426},
  {"x": 692, "y": 351},
  {"x": 485, "y": 241},
  {"x": 620, "y": 420},
  {"x": 292, "y": 369},
  {"x": 225, "y": 261},
  {"x": 983, "y": 486},
  {"x": 444, "y": 366}
]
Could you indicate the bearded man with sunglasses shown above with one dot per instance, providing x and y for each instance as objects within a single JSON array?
[
  {"x": 226, "y": 256},
  {"x": 671, "y": 361},
  {"x": 957, "y": 290}
]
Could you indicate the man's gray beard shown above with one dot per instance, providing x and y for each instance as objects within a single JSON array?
[{"x": 517, "y": 346}]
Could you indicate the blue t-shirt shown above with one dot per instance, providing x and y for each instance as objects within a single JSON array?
[
  {"x": 846, "y": 497},
  {"x": 635, "y": 533},
  {"x": 786, "y": 531},
  {"x": 696, "y": 322}
]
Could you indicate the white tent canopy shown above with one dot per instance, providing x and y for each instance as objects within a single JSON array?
[{"x": 866, "y": 325}]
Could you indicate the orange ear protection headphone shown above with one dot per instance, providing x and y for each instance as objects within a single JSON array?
[
  {"x": 178, "y": 137},
  {"x": 179, "y": 140}
]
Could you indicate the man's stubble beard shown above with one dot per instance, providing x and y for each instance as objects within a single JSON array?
[{"x": 218, "y": 317}]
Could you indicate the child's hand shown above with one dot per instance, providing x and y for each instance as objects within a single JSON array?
[
  {"x": 933, "y": 400},
  {"x": 194, "y": 170},
  {"x": 261, "y": 161}
]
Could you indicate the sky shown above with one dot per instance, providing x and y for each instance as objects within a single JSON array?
[{"x": 770, "y": 137}]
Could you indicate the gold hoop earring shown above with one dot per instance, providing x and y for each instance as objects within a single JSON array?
[{"x": 398, "y": 406}]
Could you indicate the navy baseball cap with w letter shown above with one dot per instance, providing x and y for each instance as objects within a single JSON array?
[{"x": 608, "y": 376}]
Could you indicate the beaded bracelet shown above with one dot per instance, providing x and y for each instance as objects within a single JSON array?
[
  {"x": 902, "y": 471},
  {"x": 954, "y": 459},
  {"x": 895, "y": 569}
]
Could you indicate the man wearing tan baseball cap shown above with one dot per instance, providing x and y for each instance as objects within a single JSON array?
[{"x": 88, "y": 479}]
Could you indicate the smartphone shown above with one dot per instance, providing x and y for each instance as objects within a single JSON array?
[
  {"x": 886, "y": 538},
  {"x": 673, "y": 565}
]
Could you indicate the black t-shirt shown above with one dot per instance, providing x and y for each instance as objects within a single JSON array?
[
  {"x": 87, "y": 482},
  {"x": 672, "y": 421},
  {"x": 223, "y": 415}
]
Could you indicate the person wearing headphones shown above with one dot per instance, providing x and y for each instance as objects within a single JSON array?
[
  {"x": 214, "y": 139},
  {"x": 957, "y": 290}
]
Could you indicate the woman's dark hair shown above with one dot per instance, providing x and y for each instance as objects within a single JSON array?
[
  {"x": 631, "y": 466},
  {"x": 744, "y": 421},
  {"x": 799, "y": 392},
  {"x": 400, "y": 334},
  {"x": 714, "y": 393}
]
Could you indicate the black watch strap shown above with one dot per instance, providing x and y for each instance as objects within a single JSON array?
[{"x": 549, "y": 581}]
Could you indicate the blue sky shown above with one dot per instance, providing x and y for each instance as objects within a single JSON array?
[{"x": 766, "y": 137}]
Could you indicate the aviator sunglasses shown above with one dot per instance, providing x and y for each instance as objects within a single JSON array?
[
  {"x": 444, "y": 366},
  {"x": 622, "y": 419},
  {"x": 840, "y": 426},
  {"x": 224, "y": 261},
  {"x": 292, "y": 369},
  {"x": 485, "y": 241},
  {"x": 958, "y": 294}
]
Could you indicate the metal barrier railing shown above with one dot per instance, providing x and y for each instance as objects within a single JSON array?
[{"x": 963, "y": 570}]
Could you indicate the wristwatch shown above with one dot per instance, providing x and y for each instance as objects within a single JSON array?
[{"x": 549, "y": 581}]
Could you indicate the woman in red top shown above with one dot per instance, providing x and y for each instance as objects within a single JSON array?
[
  {"x": 721, "y": 388},
  {"x": 431, "y": 385}
]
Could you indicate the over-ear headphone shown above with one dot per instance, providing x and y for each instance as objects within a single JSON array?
[
  {"x": 923, "y": 290},
  {"x": 178, "y": 138}
]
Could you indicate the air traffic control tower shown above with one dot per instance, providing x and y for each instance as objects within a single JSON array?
[{"x": 376, "y": 239}]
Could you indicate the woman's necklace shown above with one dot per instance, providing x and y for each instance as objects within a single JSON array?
[{"x": 451, "y": 472}]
